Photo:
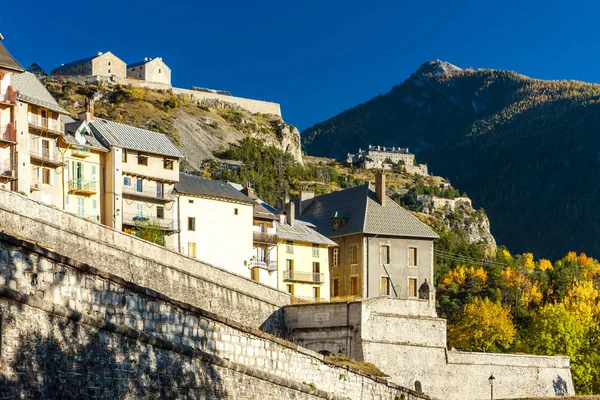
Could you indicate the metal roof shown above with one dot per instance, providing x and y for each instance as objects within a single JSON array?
[
  {"x": 7, "y": 61},
  {"x": 359, "y": 211},
  {"x": 196, "y": 185},
  {"x": 30, "y": 90},
  {"x": 132, "y": 138},
  {"x": 302, "y": 231}
]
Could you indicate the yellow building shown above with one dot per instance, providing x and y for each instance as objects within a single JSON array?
[
  {"x": 302, "y": 259},
  {"x": 84, "y": 163},
  {"x": 102, "y": 64}
]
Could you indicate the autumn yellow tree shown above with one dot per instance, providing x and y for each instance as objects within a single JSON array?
[{"x": 482, "y": 326}]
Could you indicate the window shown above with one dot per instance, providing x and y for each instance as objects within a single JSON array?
[
  {"x": 167, "y": 163},
  {"x": 160, "y": 212},
  {"x": 142, "y": 159},
  {"x": 354, "y": 285},
  {"x": 289, "y": 265},
  {"x": 126, "y": 181},
  {"x": 315, "y": 248},
  {"x": 109, "y": 71},
  {"x": 46, "y": 176},
  {"x": 290, "y": 289},
  {"x": 109, "y": 64},
  {"x": 384, "y": 286},
  {"x": 335, "y": 287},
  {"x": 81, "y": 206},
  {"x": 354, "y": 254},
  {"x": 191, "y": 224},
  {"x": 289, "y": 248},
  {"x": 317, "y": 292},
  {"x": 139, "y": 208},
  {"x": 384, "y": 254},
  {"x": 235, "y": 211},
  {"x": 124, "y": 155},
  {"x": 192, "y": 249},
  {"x": 336, "y": 257},
  {"x": 190, "y": 201},
  {"x": 45, "y": 148},
  {"x": 160, "y": 190},
  {"x": 412, "y": 287},
  {"x": 139, "y": 185},
  {"x": 412, "y": 256}
]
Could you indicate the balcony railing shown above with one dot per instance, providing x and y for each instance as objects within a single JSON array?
[
  {"x": 46, "y": 124},
  {"x": 8, "y": 134},
  {"x": 83, "y": 187},
  {"x": 7, "y": 171},
  {"x": 166, "y": 224},
  {"x": 35, "y": 184},
  {"x": 81, "y": 152},
  {"x": 264, "y": 238},
  {"x": 45, "y": 155},
  {"x": 301, "y": 276},
  {"x": 148, "y": 191},
  {"x": 267, "y": 265}
]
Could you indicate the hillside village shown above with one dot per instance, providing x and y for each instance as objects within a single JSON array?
[{"x": 347, "y": 274}]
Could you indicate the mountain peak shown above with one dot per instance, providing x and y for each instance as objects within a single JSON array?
[{"x": 437, "y": 67}]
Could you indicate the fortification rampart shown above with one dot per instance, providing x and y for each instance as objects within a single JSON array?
[
  {"x": 170, "y": 273},
  {"x": 73, "y": 330},
  {"x": 254, "y": 106}
]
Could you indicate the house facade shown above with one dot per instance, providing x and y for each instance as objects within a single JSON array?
[
  {"x": 84, "y": 164},
  {"x": 40, "y": 163},
  {"x": 102, "y": 64},
  {"x": 216, "y": 223},
  {"x": 383, "y": 249},
  {"x": 9, "y": 67},
  {"x": 141, "y": 169},
  {"x": 150, "y": 70},
  {"x": 302, "y": 259}
]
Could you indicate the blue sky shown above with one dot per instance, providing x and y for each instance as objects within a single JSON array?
[{"x": 316, "y": 58}]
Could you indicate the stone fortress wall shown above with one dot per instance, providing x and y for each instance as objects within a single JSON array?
[
  {"x": 380, "y": 156},
  {"x": 91, "y": 330},
  {"x": 407, "y": 341}
]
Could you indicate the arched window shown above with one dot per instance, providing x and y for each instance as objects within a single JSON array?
[{"x": 418, "y": 387}]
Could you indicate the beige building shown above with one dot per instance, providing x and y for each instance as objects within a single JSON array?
[
  {"x": 8, "y": 134},
  {"x": 150, "y": 70},
  {"x": 302, "y": 259},
  {"x": 40, "y": 163},
  {"x": 216, "y": 223},
  {"x": 383, "y": 249},
  {"x": 140, "y": 172},
  {"x": 84, "y": 163},
  {"x": 102, "y": 64}
]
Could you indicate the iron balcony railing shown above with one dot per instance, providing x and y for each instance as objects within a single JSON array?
[
  {"x": 301, "y": 276},
  {"x": 83, "y": 186},
  {"x": 264, "y": 238},
  {"x": 268, "y": 265},
  {"x": 148, "y": 191},
  {"x": 7, "y": 170},
  {"x": 166, "y": 224},
  {"x": 46, "y": 124},
  {"x": 44, "y": 153}
]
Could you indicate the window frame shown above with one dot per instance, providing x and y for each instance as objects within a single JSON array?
[
  {"x": 387, "y": 290},
  {"x": 352, "y": 260},
  {"x": 416, "y": 257},
  {"x": 160, "y": 208},
  {"x": 388, "y": 259},
  {"x": 316, "y": 250},
  {"x": 352, "y": 277},
  {"x": 289, "y": 247},
  {"x": 142, "y": 159},
  {"x": 192, "y": 224},
  {"x": 168, "y": 163},
  {"x": 415, "y": 286},
  {"x": 335, "y": 257}
]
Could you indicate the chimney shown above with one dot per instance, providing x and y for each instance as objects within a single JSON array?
[
  {"x": 247, "y": 190},
  {"x": 290, "y": 210},
  {"x": 100, "y": 53},
  {"x": 88, "y": 114},
  {"x": 1, "y": 37},
  {"x": 306, "y": 199},
  {"x": 380, "y": 187}
]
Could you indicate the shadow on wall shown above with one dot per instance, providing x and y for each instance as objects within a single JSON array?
[
  {"x": 47, "y": 356},
  {"x": 560, "y": 386}
]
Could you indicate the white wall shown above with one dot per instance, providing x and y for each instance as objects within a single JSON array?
[{"x": 222, "y": 238}]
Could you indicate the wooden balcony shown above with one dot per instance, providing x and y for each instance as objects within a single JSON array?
[
  {"x": 305, "y": 277},
  {"x": 44, "y": 156},
  {"x": 45, "y": 125},
  {"x": 264, "y": 238},
  {"x": 8, "y": 135},
  {"x": 82, "y": 187}
]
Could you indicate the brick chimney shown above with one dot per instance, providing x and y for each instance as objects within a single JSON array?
[
  {"x": 380, "y": 187},
  {"x": 88, "y": 114},
  {"x": 290, "y": 210},
  {"x": 306, "y": 199},
  {"x": 248, "y": 191}
]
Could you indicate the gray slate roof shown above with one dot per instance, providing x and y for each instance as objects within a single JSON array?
[
  {"x": 7, "y": 61},
  {"x": 262, "y": 209},
  {"x": 302, "y": 231},
  {"x": 362, "y": 213},
  {"x": 30, "y": 90},
  {"x": 83, "y": 60},
  {"x": 196, "y": 185},
  {"x": 129, "y": 137}
]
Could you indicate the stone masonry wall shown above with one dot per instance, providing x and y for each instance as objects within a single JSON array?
[
  {"x": 175, "y": 275},
  {"x": 254, "y": 106},
  {"x": 69, "y": 326}
]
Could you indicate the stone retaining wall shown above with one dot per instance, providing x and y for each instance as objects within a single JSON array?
[{"x": 67, "y": 325}]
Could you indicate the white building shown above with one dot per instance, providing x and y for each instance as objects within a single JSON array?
[
  {"x": 216, "y": 223},
  {"x": 150, "y": 70}
]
